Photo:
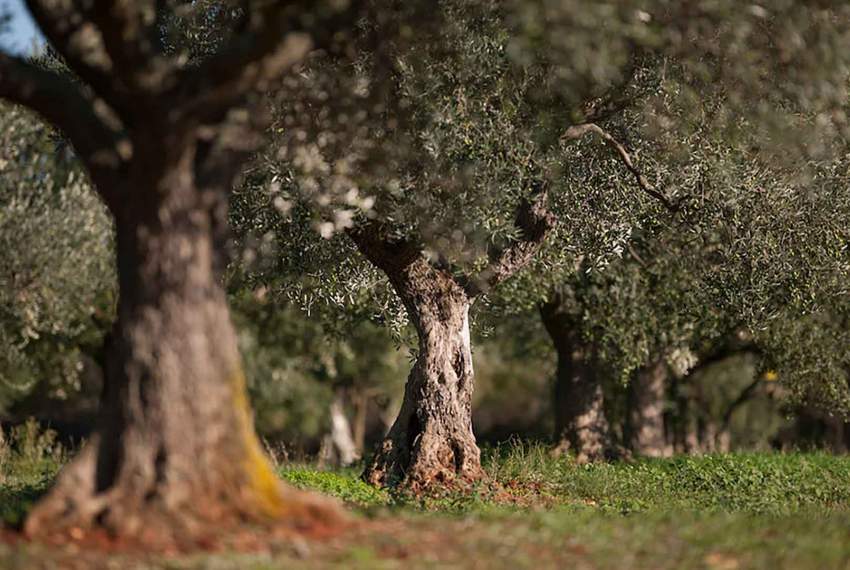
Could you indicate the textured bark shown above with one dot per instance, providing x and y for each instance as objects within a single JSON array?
[
  {"x": 431, "y": 440},
  {"x": 645, "y": 427},
  {"x": 175, "y": 448},
  {"x": 580, "y": 423}
]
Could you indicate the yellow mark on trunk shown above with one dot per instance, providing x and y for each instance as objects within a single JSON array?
[{"x": 262, "y": 480}]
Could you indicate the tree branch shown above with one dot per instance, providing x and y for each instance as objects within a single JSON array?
[
  {"x": 385, "y": 253},
  {"x": 724, "y": 351},
  {"x": 63, "y": 104},
  {"x": 533, "y": 220},
  {"x": 742, "y": 398},
  {"x": 578, "y": 131},
  {"x": 75, "y": 38},
  {"x": 276, "y": 38}
]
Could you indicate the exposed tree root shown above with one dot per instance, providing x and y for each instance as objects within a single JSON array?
[{"x": 173, "y": 516}]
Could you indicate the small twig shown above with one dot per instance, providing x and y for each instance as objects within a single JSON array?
[
  {"x": 635, "y": 255},
  {"x": 577, "y": 131}
]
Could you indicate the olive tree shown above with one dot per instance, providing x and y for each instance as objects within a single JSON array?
[
  {"x": 56, "y": 276},
  {"x": 162, "y": 137},
  {"x": 450, "y": 177},
  {"x": 727, "y": 275}
]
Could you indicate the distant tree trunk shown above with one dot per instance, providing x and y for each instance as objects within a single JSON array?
[
  {"x": 431, "y": 440},
  {"x": 685, "y": 438},
  {"x": 723, "y": 434},
  {"x": 645, "y": 420},
  {"x": 707, "y": 434},
  {"x": 835, "y": 434},
  {"x": 338, "y": 447},
  {"x": 360, "y": 401},
  {"x": 580, "y": 422}
]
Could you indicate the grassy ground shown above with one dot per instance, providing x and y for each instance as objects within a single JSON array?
[{"x": 722, "y": 512}]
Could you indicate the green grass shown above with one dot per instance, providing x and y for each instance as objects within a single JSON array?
[
  {"x": 752, "y": 483},
  {"x": 344, "y": 484},
  {"x": 722, "y": 512},
  {"x": 774, "y": 484}
]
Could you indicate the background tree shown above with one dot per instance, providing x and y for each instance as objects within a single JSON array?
[
  {"x": 55, "y": 269},
  {"x": 461, "y": 163},
  {"x": 757, "y": 240}
]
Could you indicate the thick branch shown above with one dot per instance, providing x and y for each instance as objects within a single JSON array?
[
  {"x": 533, "y": 220},
  {"x": 578, "y": 131},
  {"x": 76, "y": 39},
  {"x": 126, "y": 28},
  {"x": 723, "y": 352},
  {"x": 278, "y": 37},
  {"x": 63, "y": 104},
  {"x": 742, "y": 398},
  {"x": 390, "y": 255}
]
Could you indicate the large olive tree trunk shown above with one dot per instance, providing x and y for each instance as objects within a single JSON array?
[
  {"x": 645, "y": 420},
  {"x": 174, "y": 455},
  {"x": 175, "y": 441},
  {"x": 580, "y": 422}
]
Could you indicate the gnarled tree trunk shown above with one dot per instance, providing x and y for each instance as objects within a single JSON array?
[
  {"x": 580, "y": 422},
  {"x": 431, "y": 440},
  {"x": 175, "y": 446},
  {"x": 645, "y": 420}
]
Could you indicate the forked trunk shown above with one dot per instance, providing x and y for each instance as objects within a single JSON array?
[
  {"x": 581, "y": 426},
  {"x": 431, "y": 440},
  {"x": 646, "y": 410},
  {"x": 175, "y": 449}
]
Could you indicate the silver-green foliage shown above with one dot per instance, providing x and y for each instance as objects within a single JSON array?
[{"x": 56, "y": 265}]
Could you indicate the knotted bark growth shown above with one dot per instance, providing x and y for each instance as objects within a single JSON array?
[
  {"x": 174, "y": 456},
  {"x": 581, "y": 426},
  {"x": 645, "y": 420},
  {"x": 431, "y": 441}
]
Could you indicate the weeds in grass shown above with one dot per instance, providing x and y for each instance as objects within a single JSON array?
[
  {"x": 525, "y": 474},
  {"x": 716, "y": 511},
  {"x": 30, "y": 457}
]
